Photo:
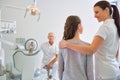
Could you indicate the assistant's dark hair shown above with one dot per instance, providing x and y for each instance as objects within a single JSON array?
[
  {"x": 71, "y": 26},
  {"x": 114, "y": 12}
]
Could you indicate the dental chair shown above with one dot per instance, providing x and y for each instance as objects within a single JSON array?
[
  {"x": 15, "y": 72},
  {"x": 25, "y": 63}
]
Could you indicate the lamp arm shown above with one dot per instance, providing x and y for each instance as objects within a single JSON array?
[
  {"x": 38, "y": 17},
  {"x": 7, "y": 42},
  {"x": 34, "y": 2},
  {"x": 25, "y": 13}
]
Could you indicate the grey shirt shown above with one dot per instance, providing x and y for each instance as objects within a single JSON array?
[{"x": 75, "y": 66}]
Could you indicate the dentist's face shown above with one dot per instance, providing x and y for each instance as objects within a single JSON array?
[{"x": 51, "y": 37}]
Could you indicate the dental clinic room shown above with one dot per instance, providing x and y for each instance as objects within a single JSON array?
[{"x": 59, "y": 40}]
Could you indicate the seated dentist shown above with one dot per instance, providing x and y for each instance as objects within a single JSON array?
[{"x": 50, "y": 56}]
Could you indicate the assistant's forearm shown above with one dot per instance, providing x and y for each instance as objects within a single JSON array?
[{"x": 80, "y": 48}]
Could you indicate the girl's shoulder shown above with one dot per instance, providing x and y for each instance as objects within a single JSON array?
[{"x": 79, "y": 42}]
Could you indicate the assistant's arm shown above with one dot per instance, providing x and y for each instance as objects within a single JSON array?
[{"x": 84, "y": 49}]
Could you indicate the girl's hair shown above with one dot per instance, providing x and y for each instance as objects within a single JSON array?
[
  {"x": 114, "y": 12},
  {"x": 71, "y": 26}
]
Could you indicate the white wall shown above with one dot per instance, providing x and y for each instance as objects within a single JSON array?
[
  {"x": 52, "y": 18},
  {"x": 118, "y": 4},
  {"x": 0, "y": 25}
]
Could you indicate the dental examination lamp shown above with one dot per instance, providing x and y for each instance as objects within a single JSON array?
[{"x": 33, "y": 10}]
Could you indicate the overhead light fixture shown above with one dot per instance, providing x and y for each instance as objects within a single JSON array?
[{"x": 33, "y": 10}]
